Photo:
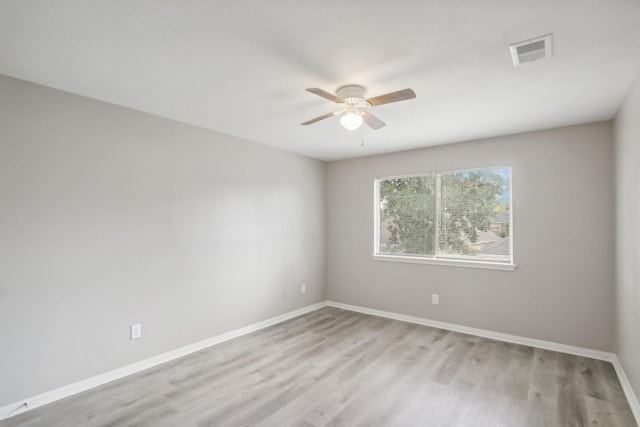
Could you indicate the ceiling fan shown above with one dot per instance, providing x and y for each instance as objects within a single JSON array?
[{"x": 354, "y": 107}]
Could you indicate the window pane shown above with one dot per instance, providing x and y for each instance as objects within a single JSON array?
[
  {"x": 473, "y": 215},
  {"x": 407, "y": 216}
]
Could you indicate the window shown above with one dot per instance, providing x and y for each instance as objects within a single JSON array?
[{"x": 460, "y": 217}]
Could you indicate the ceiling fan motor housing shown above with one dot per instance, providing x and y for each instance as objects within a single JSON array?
[{"x": 353, "y": 95}]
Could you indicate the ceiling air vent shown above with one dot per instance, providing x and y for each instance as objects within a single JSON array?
[{"x": 531, "y": 50}]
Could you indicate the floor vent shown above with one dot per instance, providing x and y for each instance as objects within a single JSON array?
[{"x": 531, "y": 50}]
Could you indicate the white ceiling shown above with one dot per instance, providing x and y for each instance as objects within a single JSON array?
[{"x": 240, "y": 67}]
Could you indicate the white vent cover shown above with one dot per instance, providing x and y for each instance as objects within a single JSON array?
[{"x": 531, "y": 50}]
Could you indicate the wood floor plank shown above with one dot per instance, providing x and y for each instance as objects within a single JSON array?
[
  {"x": 517, "y": 380},
  {"x": 571, "y": 407},
  {"x": 540, "y": 407},
  {"x": 333, "y": 367}
]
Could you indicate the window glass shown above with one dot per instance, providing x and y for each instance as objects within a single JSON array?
[{"x": 453, "y": 215}]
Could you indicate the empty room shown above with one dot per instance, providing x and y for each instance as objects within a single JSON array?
[{"x": 339, "y": 213}]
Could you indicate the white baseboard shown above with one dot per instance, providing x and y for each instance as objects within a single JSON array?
[
  {"x": 98, "y": 380},
  {"x": 546, "y": 345},
  {"x": 628, "y": 391}
]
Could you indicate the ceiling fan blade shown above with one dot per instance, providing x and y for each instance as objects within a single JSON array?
[
  {"x": 388, "y": 98},
  {"x": 325, "y": 94},
  {"x": 372, "y": 121},
  {"x": 317, "y": 119}
]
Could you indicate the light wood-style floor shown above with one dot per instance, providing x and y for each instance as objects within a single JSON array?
[{"x": 339, "y": 368}]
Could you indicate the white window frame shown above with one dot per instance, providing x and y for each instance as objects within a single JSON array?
[{"x": 435, "y": 259}]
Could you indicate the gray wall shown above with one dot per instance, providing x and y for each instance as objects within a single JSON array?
[
  {"x": 627, "y": 140},
  {"x": 562, "y": 290},
  {"x": 110, "y": 217}
]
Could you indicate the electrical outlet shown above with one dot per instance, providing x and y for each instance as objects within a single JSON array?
[
  {"x": 284, "y": 294},
  {"x": 136, "y": 331},
  {"x": 435, "y": 299},
  {"x": 303, "y": 288}
]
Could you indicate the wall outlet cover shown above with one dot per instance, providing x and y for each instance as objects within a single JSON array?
[{"x": 136, "y": 331}]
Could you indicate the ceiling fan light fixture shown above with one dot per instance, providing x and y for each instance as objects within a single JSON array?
[{"x": 351, "y": 120}]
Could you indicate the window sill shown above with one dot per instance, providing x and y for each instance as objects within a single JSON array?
[{"x": 448, "y": 262}]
